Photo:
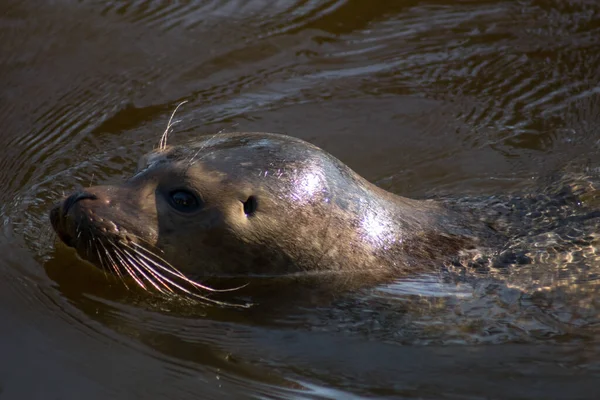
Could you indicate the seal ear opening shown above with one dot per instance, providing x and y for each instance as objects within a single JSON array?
[{"x": 250, "y": 206}]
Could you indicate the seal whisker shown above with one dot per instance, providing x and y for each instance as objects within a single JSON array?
[
  {"x": 127, "y": 269},
  {"x": 141, "y": 239},
  {"x": 188, "y": 292},
  {"x": 103, "y": 266},
  {"x": 118, "y": 254},
  {"x": 92, "y": 246},
  {"x": 202, "y": 147},
  {"x": 110, "y": 264},
  {"x": 91, "y": 239},
  {"x": 114, "y": 266},
  {"x": 174, "y": 271},
  {"x": 159, "y": 278},
  {"x": 163, "y": 140},
  {"x": 106, "y": 259},
  {"x": 162, "y": 279}
]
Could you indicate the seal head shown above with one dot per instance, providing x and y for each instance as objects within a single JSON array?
[{"x": 254, "y": 204}]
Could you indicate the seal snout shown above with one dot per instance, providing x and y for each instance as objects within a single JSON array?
[
  {"x": 59, "y": 213},
  {"x": 56, "y": 221},
  {"x": 74, "y": 198}
]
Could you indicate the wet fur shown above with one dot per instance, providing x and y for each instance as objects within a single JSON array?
[{"x": 315, "y": 216}]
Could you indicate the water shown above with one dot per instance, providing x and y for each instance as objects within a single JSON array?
[{"x": 461, "y": 98}]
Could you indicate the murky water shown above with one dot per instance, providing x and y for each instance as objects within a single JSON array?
[{"x": 467, "y": 98}]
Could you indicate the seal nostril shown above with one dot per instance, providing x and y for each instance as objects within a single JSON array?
[
  {"x": 250, "y": 206},
  {"x": 74, "y": 198}
]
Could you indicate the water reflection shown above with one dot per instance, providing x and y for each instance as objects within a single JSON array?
[{"x": 428, "y": 286}]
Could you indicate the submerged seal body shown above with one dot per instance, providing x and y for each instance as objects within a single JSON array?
[{"x": 257, "y": 204}]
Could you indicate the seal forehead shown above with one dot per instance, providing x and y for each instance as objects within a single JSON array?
[
  {"x": 233, "y": 140},
  {"x": 150, "y": 161},
  {"x": 258, "y": 152},
  {"x": 246, "y": 143}
]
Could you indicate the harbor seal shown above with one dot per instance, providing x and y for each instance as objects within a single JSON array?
[{"x": 253, "y": 204}]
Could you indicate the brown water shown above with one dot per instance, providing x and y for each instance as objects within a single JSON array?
[{"x": 429, "y": 97}]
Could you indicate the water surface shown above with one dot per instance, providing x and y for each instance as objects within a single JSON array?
[{"x": 424, "y": 98}]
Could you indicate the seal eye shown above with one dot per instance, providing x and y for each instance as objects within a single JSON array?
[
  {"x": 250, "y": 206},
  {"x": 184, "y": 201}
]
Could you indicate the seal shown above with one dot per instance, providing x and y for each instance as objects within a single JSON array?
[{"x": 251, "y": 204}]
